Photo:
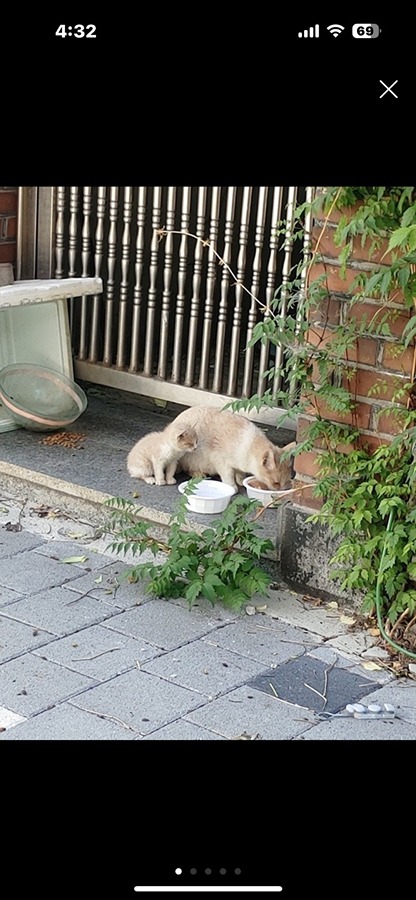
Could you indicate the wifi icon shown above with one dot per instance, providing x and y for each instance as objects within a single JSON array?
[{"x": 335, "y": 29}]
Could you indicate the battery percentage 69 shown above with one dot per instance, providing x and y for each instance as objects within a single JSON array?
[{"x": 361, "y": 30}]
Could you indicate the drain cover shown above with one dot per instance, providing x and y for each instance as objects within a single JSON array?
[{"x": 299, "y": 680}]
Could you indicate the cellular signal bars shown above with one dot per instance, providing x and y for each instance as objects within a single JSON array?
[{"x": 313, "y": 31}]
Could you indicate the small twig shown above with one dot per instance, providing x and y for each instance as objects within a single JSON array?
[
  {"x": 275, "y": 694},
  {"x": 163, "y": 232},
  {"x": 105, "y": 716},
  {"x": 326, "y": 680},
  {"x": 85, "y": 658},
  {"x": 315, "y": 691},
  {"x": 410, "y": 624},
  {"x": 403, "y": 616},
  {"x": 81, "y": 596}
]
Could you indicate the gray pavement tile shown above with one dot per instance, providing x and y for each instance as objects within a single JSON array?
[
  {"x": 8, "y": 596},
  {"x": 8, "y": 718},
  {"x": 401, "y": 694},
  {"x": 183, "y": 731},
  {"x": 30, "y": 572},
  {"x": 290, "y": 607},
  {"x": 16, "y": 638},
  {"x": 204, "y": 668},
  {"x": 59, "y": 611},
  {"x": 360, "y": 730},
  {"x": 312, "y": 683},
  {"x": 330, "y": 655},
  {"x": 67, "y": 723},
  {"x": 107, "y": 584},
  {"x": 217, "y": 614},
  {"x": 140, "y": 700},
  {"x": 250, "y": 712},
  {"x": 271, "y": 643},
  {"x": 30, "y": 684},
  {"x": 162, "y": 623},
  {"x": 99, "y": 652},
  {"x": 64, "y": 549},
  {"x": 12, "y": 542}
]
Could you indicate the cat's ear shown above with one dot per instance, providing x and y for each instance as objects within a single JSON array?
[
  {"x": 288, "y": 447},
  {"x": 268, "y": 460}
]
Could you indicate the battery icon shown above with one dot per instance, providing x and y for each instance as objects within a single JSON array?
[{"x": 361, "y": 30}]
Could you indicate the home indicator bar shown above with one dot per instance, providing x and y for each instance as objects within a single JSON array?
[{"x": 212, "y": 888}]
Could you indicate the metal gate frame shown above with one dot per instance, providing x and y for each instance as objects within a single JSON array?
[{"x": 37, "y": 258}]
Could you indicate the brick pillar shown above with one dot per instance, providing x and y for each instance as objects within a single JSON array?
[
  {"x": 378, "y": 366},
  {"x": 8, "y": 225}
]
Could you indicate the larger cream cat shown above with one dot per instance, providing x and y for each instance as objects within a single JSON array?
[
  {"x": 154, "y": 456},
  {"x": 229, "y": 445}
]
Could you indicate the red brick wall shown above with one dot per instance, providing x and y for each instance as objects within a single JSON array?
[
  {"x": 375, "y": 359},
  {"x": 8, "y": 225}
]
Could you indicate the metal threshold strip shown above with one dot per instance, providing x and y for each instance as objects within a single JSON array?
[{"x": 221, "y": 888}]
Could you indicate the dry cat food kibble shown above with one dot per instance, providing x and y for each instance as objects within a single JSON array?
[{"x": 68, "y": 439}]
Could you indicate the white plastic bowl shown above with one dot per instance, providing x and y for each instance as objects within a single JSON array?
[
  {"x": 208, "y": 496},
  {"x": 264, "y": 497}
]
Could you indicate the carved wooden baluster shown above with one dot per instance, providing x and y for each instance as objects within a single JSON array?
[
  {"x": 151, "y": 303},
  {"x": 211, "y": 276},
  {"x": 124, "y": 284},
  {"x": 255, "y": 281},
  {"x": 60, "y": 231},
  {"x": 180, "y": 299},
  {"x": 85, "y": 256},
  {"x": 270, "y": 284},
  {"x": 225, "y": 284},
  {"x": 73, "y": 230},
  {"x": 196, "y": 287},
  {"x": 241, "y": 269},
  {"x": 167, "y": 278},
  {"x": 98, "y": 259},
  {"x": 287, "y": 264},
  {"x": 137, "y": 295},
  {"x": 111, "y": 260}
]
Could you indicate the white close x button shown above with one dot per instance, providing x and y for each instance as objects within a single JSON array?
[{"x": 388, "y": 89}]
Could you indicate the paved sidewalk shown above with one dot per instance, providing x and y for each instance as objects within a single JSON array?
[{"x": 85, "y": 655}]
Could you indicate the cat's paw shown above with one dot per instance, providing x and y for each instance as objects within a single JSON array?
[
  {"x": 149, "y": 479},
  {"x": 171, "y": 480},
  {"x": 160, "y": 481}
]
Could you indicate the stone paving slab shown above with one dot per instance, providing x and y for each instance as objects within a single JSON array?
[
  {"x": 99, "y": 652},
  {"x": 270, "y": 644},
  {"x": 8, "y": 596},
  {"x": 17, "y": 638},
  {"x": 12, "y": 542},
  {"x": 183, "y": 731},
  {"x": 59, "y": 611},
  {"x": 311, "y": 683},
  {"x": 359, "y": 730},
  {"x": 288, "y": 606},
  {"x": 162, "y": 623},
  {"x": 8, "y": 719},
  {"x": 60, "y": 550},
  {"x": 204, "y": 668},
  {"x": 112, "y": 587},
  {"x": 248, "y": 711},
  {"x": 30, "y": 684},
  {"x": 329, "y": 655},
  {"x": 67, "y": 723},
  {"x": 32, "y": 572},
  {"x": 140, "y": 700}
]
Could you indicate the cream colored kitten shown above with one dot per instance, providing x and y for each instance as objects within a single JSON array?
[
  {"x": 154, "y": 456},
  {"x": 229, "y": 445}
]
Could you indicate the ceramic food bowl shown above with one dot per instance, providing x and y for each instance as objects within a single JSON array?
[
  {"x": 263, "y": 495},
  {"x": 208, "y": 496}
]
